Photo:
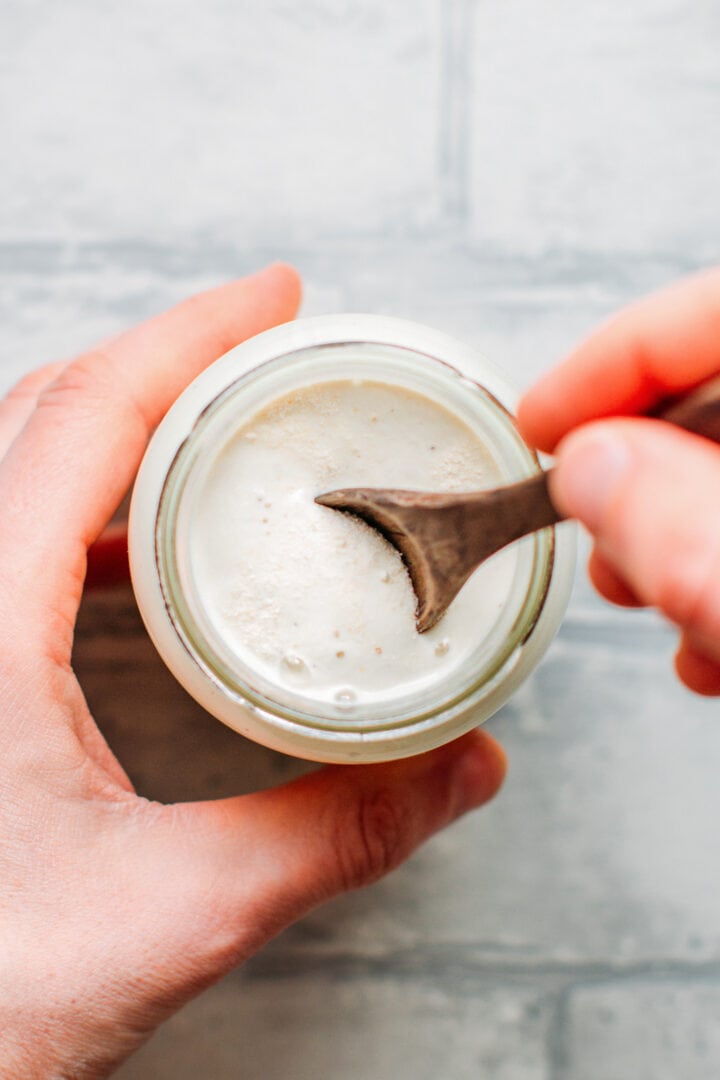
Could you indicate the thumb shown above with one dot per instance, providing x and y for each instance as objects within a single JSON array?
[
  {"x": 274, "y": 855},
  {"x": 648, "y": 494}
]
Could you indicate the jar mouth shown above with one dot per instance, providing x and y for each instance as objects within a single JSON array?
[{"x": 239, "y": 402}]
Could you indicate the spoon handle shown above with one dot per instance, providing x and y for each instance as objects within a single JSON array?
[{"x": 698, "y": 412}]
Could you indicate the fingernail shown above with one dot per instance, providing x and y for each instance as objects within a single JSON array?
[{"x": 591, "y": 466}]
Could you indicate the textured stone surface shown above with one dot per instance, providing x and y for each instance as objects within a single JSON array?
[
  {"x": 591, "y": 127},
  {"x": 56, "y": 300},
  {"x": 675, "y": 1023},
  {"x": 220, "y": 119},
  {"x": 511, "y": 173},
  {"x": 374, "y": 1028}
]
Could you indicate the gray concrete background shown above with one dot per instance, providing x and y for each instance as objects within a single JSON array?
[{"x": 510, "y": 171}]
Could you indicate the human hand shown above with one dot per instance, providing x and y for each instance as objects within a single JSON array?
[
  {"x": 647, "y": 492},
  {"x": 115, "y": 910}
]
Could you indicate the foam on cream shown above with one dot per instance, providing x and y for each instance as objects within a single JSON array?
[{"x": 315, "y": 601}]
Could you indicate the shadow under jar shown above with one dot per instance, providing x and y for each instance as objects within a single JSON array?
[{"x": 294, "y": 624}]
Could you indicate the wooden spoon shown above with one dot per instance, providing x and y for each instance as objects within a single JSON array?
[{"x": 444, "y": 537}]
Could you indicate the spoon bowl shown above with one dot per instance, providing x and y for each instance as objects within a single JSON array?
[{"x": 444, "y": 537}]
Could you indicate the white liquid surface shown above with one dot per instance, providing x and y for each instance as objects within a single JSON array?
[{"x": 313, "y": 601}]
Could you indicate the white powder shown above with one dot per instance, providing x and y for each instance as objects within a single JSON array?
[{"x": 315, "y": 601}]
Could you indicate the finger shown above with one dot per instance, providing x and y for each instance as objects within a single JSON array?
[
  {"x": 274, "y": 855},
  {"x": 19, "y": 403},
  {"x": 647, "y": 493},
  {"x": 608, "y": 582},
  {"x": 67, "y": 471},
  {"x": 660, "y": 346},
  {"x": 697, "y": 670}
]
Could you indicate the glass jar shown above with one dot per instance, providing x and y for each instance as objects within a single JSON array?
[{"x": 314, "y": 351}]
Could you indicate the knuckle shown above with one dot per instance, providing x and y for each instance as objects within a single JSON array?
[
  {"x": 374, "y": 840},
  {"x": 81, "y": 380},
  {"x": 26, "y": 389},
  {"x": 90, "y": 383}
]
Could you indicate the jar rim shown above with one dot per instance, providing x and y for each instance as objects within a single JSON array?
[
  {"x": 245, "y": 718},
  {"x": 243, "y": 398}
]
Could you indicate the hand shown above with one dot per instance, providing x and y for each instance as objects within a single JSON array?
[
  {"x": 115, "y": 910},
  {"x": 648, "y": 493}
]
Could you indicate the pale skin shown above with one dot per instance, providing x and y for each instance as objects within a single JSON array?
[
  {"x": 648, "y": 493},
  {"x": 115, "y": 910}
]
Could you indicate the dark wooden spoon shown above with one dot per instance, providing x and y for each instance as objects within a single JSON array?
[{"x": 444, "y": 537}]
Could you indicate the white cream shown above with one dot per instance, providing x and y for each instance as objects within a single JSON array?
[{"x": 314, "y": 601}]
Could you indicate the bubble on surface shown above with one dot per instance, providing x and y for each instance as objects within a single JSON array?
[
  {"x": 293, "y": 662},
  {"x": 443, "y": 647},
  {"x": 345, "y": 699}
]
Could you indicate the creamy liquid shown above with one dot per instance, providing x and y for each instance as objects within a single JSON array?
[{"x": 313, "y": 600}]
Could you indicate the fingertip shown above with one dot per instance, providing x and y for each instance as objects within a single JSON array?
[
  {"x": 480, "y": 769},
  {"x": 592, "y": 464},
  {"x": 535, "y": 420},
  {"x": 697, "y": 671},
  {"x": 284, "y": 282},
  {"x": 609, "y": 583}
]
